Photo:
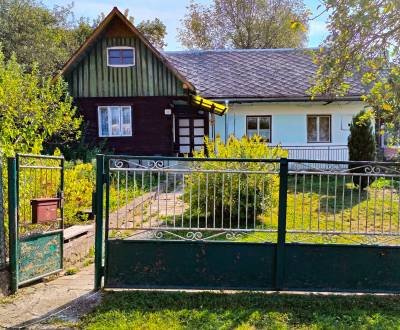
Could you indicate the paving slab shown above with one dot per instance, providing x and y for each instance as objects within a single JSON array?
[{"x": 36, "y": 303}]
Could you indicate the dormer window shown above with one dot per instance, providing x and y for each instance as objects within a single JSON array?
[{"x": 121, "y": 56}]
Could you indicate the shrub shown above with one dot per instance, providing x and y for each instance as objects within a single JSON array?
[
  {"x": 361, "y": 143},
  {"x": 219, "y": 192},
  {"x": 78, "y": 189}
]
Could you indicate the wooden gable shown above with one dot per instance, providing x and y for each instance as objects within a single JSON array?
[{"x": 88, "y": 75}]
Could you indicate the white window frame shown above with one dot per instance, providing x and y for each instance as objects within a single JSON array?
[
  {"x": 317, "y": 127},
  {"x": 121, "y": 65},
  {"x": 108, "y": 107}
]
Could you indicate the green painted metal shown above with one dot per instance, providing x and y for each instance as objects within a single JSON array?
[
  {"x": 40, "y": 256},
  {"x": 99, "y": 221},
  {"x": 91, "y": 77},
  {"x": 36, "y": 253},
  {"x": 3, "y": 247},
  {"x": 280, "y": 248},
  {"x": 180, "y": 264},
  {"x": 330, "y": 267},
  {"x": 12, "y": 222},
  {"x": 141, "y": 263}
]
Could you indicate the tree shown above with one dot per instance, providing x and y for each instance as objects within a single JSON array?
[
  {"x": 364, "y": 40},
  {"x": 32, "y": 109},
  {"x": 155, "y": 31},
  {"x": 39, "y": 35},
  {"x": 361, "y": 143},
  {"x": 245, "y": 24}
]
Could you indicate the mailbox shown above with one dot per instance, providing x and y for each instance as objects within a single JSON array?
[{"x": 44, "y": 209}]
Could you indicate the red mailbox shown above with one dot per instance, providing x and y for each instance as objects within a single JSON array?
[{"x": 44, "y": 209}]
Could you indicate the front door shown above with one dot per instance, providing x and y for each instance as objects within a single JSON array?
[{"x": 190, "y": 133}]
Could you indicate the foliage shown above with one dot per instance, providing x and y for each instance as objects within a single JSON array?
[
  {"x": 33, "y": 110},
  {"x": 47, "y": 37},
  {"x": 78, "y": 189},
  {"x": 363, "y": 41},
  {"x": 245, "y": 24},
  {"x": 154, "y": 30},
  {"x": 361, "y": 143},
  {"x": 212, "y": 310},
  {"x": 40, "y": 35},
  {"x": 254, "y": 189},
  {"x": 84, "y": 149}
]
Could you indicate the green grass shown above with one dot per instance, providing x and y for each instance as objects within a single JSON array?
[
  {"x": 318, "y": 203},
  {"x": 178, "y": 310}
]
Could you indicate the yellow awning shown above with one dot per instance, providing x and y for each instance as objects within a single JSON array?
[{"x": 208, "y": 105}]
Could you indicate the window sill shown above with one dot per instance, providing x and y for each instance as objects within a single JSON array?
[{"x": 115, "y": 136}]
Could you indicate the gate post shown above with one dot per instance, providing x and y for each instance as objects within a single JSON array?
[
  {"x": 98, "y": 258},
  {"x": 280, "y": 247},
  {"x": 13, "y": 222}
]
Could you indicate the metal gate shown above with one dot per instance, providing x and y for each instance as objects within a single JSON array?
[
  {"x": 35, "y": 207},
  {"x": 255, "y": 224}
]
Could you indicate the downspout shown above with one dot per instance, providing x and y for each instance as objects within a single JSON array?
[{"x": 226, "y": 121}]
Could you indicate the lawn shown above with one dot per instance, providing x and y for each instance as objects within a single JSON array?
[
  {"x": 319, "y": 204},
  {"x": 206, "y": 310}
]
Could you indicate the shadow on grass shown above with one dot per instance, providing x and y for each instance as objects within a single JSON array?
[{"x": 208, "y": 310}]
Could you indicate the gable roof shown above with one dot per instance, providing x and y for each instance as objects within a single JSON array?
[
  {"x": 80, "y": 52},
  {"x": 251, "y": 73}
]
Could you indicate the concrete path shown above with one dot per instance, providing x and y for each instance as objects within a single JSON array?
[{"x": 65, "y": 298}]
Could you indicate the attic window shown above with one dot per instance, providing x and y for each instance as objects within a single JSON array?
[{"x": 121, "y": 56}]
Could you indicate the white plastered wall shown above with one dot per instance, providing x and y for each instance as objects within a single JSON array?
[{"x": 289, "y": 120}]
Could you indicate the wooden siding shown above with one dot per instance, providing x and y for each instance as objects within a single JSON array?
[
  {"x": 91, "y": 77},
  {"x": 151, "y": 128}
]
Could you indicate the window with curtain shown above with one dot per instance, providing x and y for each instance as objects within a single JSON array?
[
  {"x": 318, "y": 128},
  {"x": 259, "y": 125},
  {"x": 115, "y": 121}
]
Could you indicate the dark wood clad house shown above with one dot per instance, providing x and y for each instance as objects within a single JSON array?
[{"x": 130, "y": 96}]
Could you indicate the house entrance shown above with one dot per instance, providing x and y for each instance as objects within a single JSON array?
[{"x": 190, "y": 134}]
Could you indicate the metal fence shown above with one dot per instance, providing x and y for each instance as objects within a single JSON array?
[
  {"x": 182, "y": 199},
  {"x": 3, "y": 245},
  {"x": 357, "y": 204},
  {"x": 329, "y": 153},
  {"x": 241, "y": 200}
]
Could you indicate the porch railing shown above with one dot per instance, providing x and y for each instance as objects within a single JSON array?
[{"x": 330, "y": 152}]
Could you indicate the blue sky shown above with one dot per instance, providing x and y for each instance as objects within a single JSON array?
[{"x": 170, "y": 12}]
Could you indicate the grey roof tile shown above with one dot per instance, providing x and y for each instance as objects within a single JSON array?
[{"x": 250, "y": 73}]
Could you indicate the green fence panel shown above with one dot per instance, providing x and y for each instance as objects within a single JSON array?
[
  {"x": 3, "y": 246},
  {"x": 39, "y": 256},
  {"x": 180, "y": 264}
]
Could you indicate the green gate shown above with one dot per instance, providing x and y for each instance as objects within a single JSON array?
[
  {"x": 35, "y": 207},
  {"x": 259, "y": 224}
]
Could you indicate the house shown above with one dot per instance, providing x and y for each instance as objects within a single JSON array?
[
  {"x": 145, "y": 102},
  {"x": 266, "y": 90}
]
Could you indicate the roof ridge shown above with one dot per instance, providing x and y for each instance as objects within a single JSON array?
[{"x": 238, "y": 50}]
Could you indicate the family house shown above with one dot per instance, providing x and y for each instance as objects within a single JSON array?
[{"x": 145, "y": 102}]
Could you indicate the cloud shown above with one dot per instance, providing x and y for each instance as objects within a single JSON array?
[{"x": 318, "y": 32}]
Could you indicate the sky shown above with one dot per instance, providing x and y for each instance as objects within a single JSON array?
[{"x": 171, "y": 12}]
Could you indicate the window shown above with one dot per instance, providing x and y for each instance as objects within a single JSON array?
[
  {"x": 259, "y": 126},
  {"x": 115, "y": 121},
  {"x": 318, "y": 128},
  {"x": 121, "y": 56}
]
